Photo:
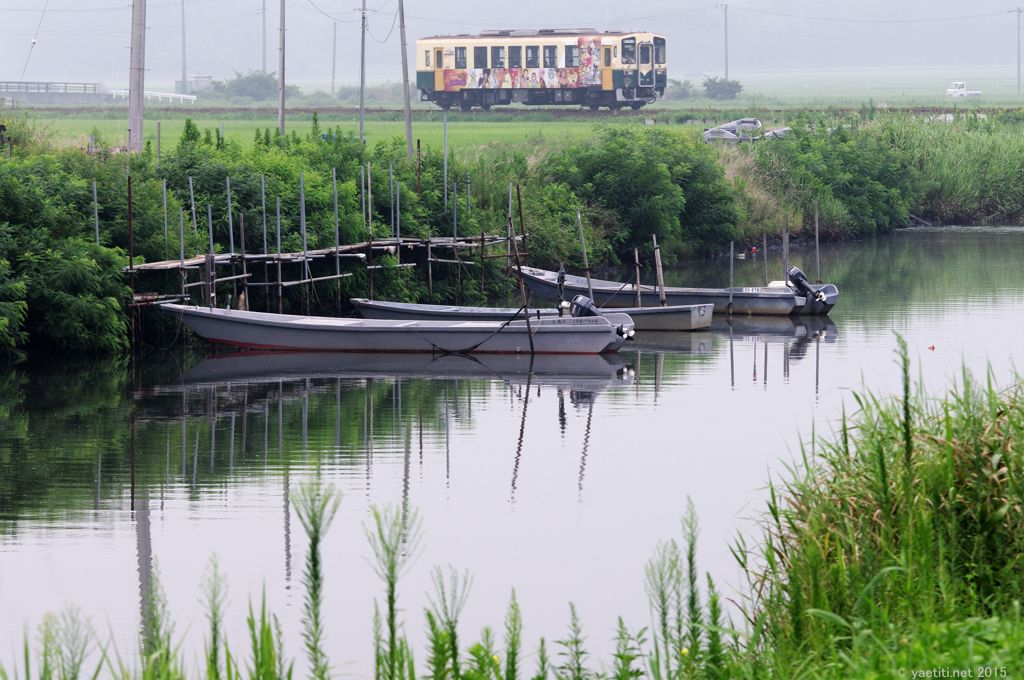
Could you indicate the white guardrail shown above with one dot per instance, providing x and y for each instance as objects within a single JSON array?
[{"x": 158, "y": 96}]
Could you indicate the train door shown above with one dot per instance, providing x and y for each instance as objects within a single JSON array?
[
  {"x": 438, "y": 68},
  {"x": 646, "y": 65}
]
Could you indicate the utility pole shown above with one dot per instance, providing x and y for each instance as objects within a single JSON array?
[
  {"x": 280, "y": 78},
  {"x": 334, "y": 55},
  {"x": 362, "y": 71},
  {"x": 405, "y": 80},
  {"x": 1018, "y": 10},
  {"x": 184, "y": 67},
  {"x": 725, "y": 12},
  {"x": 137, "y": 75},
  {"x": 263, "y": 44}
]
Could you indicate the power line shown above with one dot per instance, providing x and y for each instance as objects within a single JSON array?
[
  {"x": 34, "y": 39},
  {"x": 81, "y": 10},
  {"x": 331, "y": 16},
  {"x": 394, "y": 20},
  {"x": 122, "y": 31},
  {"x": 849, "y": 20}
]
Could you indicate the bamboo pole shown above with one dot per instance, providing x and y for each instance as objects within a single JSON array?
[
  {"x": 337, "y": 236},
  {"x": 164, "y": 183},
  {"x": 764, "y": 255},
  {"x": 732, "y": 267},
  {"x": 430, "y": 271},
  {"x": 243, "y": 300},
  {"x": 302, "y": 228},
  {"x": 280, "y": 286},
  {"x": 817, "y": 247},
  {"x": 522, "y": 222},
  {"x": 192, "y": 203},
  {"x": 785, "y": 249},
  {"x": 586, "y": 258},
  {"x": 639, "y": 300},
  {"x": 209, "y": 225},
  {"x": 181, "y": 248},
  {"x": 398, "y": 222},
  {"x": 522, "y": 289},
  {"x": 657, "y": 266}
]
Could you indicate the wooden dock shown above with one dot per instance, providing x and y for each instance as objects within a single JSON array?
[{"x": 207, "y": 265}]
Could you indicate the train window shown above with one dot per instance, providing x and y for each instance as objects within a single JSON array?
[
  {"x": 515, "y": 56},
  {"x": 572, "y": 55},
  {"x": 645, "y": 53},
  {"x": 607, "y": 56},
  {"x": 438, "y": 58},
  {"x": 532, "y": 56},
  {"x": 550, "y": 56},
  {"x": 479, "y": 57},
  {"x": 659, "y": 51},
  {"x": 629, "y": 50},
  {"x": 426, "y": 57},
  {"x": 460, "y": 57},
  {"x": 497, "y": 57}
]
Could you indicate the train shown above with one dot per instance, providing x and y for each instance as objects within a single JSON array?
[{"x": 581, "y": 66}]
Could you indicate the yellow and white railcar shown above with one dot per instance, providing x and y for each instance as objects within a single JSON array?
[{"x": 549, "y": 66}]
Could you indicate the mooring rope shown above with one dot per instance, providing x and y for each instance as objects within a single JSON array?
[{"x": 441, "y": 350}]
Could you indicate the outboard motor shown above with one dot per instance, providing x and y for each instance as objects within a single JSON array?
[
  {"x": 802, "y": 285},
  {"x": 583, "y": 306}
]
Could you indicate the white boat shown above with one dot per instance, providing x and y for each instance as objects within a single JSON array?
[
  {"x": 260, "y": 330},
  {"x": 668, "y": 318}
]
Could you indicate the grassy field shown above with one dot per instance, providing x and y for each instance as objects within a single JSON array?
[{"x": 75, "y": 130}]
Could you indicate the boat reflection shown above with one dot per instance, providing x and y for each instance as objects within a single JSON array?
[{"x": 568, "y": 370}]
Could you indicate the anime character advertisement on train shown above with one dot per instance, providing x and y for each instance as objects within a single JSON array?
[{"x": 590, "y": 61}]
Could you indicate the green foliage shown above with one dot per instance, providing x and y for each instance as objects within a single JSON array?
[
  {"x": 722, "y": 88},
  {"x": 679, "y": 90},
  {"x": 13, "y": 309},
  {"x": 861, "y": 179},
  {"x": 865, "y": 568},
  {"x": 394, "y": 539},
  {"x": 574, "y": 653},
  {"x": 255, "y": 85},
  {"x": 650, "y": 183},
  {"x": 214, "y": 590}
]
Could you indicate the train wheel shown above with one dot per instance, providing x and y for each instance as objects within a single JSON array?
[
  {"x": 635, "y": 105},
  {"x": 595, "y": 107},
  {"x": 485, "y": 107},
  {"x": 465, "y": 107}
]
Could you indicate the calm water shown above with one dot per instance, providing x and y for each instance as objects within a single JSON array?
[{"x": 557, "y": 480}]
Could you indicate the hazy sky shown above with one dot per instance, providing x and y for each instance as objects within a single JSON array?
[{"x": 87, "y": 40}]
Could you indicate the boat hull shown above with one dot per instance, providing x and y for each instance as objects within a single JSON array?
[
  {"x": 760, "y": 301},
  {"x": 654, "y": 318},
  {"x": 257, "y": 330}
]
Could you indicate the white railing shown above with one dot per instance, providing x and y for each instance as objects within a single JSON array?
[{"x": 159, "y": 96}]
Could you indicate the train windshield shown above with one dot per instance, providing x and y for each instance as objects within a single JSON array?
[
  {"x": 645, "y": 53},
  {"x": 660, "y": 56},
  {"x": 629, "y": 50}
]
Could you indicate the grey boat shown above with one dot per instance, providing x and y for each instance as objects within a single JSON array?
[
  {"x": 794, "y": 296},
  {"x": 668, "y": 318},
  {"x": 263, "y": 331}
]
